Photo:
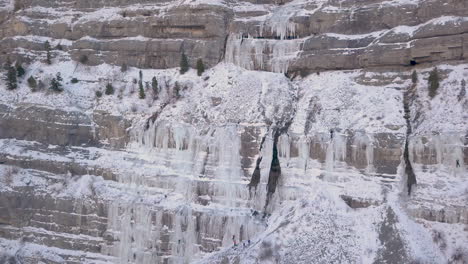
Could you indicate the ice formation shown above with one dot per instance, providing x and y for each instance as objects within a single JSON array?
[{"x": 262, "y": 54}]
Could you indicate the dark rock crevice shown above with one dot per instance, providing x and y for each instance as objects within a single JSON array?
[
  {"x": 255, "y": 180},
  {"x": 408, "y": 96},
  {"x": 275, "y": 170}
]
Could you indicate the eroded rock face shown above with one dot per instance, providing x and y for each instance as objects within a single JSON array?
[
  {"x": 44, "y": 124},
  {"x": 290, "y": 37},
  {"x": 65, "y": 128}
]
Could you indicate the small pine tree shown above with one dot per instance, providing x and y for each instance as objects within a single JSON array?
[
  {"x": 32, "y": 83},
  {"x": 11, "y": 78},
  {"x": 40, "y": 85},
  {"x": 433, "y": 82},
  {"x": 124, "y": 67},
  {"x": 200, "y": 67},
  {"x": 176, "y": 90},
  {"x": 56, "y": 83},
  {"x": 141, "y": 90},
  {"x": 154, "y": 87},
  {"x": 59, "y": 77},
  {"x": 141, "y": 75},
  {"x": 462, "y": 93},
  {"x": 414, "y": 77},
  {"x": 47, "y": 48},
  {"x": 98, "y": 94},
  {"x": 184, "y": 66},
  {"x": 109, "y": 89},
  {"x": 20, "y": 70}
]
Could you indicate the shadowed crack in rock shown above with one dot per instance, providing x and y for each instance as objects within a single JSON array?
[
  {"x": 275, "y": 171},
  {"x": 411, "y": 177}
]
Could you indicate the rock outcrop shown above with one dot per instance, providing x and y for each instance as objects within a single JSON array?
[{"x": 292, "y": 37}]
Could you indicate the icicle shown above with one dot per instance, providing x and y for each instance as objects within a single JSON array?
[
  {"x": 284, "y": 146},
  {"x": 364, "y": 141},
  {"x": 251, "y": 53},
  {"x": 330, "y": 159},
  {"x": 303, "y": 148},
  {"x": 229, "y": 165}
]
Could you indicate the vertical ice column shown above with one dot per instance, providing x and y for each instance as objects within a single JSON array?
[
  {"x": 449, "y": 149},
  {"x": 364, "y": 141},
  {"x": 133, "y": 227},
  {"x": 184, "y": 246},
  {"x": 283, "y": 52},
  {"x": 304, "y": 152},
  {"x": 370, "y": 154},
  {"x": 228, "y": 170},
  {"x": 446, "y": 149},
  {"x": 329, "y": 158},
  {"x": 245, "y": 52},
  {"x": 284, "y": 146},
  {"x": 280, "y": 22},
  {"x": 261, "y": 54},
  {"x": 336, "y": 151}
]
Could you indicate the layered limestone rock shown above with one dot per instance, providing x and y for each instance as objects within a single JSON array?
[
  {"x": 291, "y": 37},
  {"x": 66, "y": 128}
]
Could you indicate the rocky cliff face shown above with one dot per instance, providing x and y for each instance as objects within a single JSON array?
[{"x": 295, "y": 145}]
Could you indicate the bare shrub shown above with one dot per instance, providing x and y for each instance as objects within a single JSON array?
[
  {"x": 266, "y": 251},
  {"x": 120, "y": 92},
  {"x": 9, "y": 174},
  {"x": 439, "y": 238},
  {"x": 134, "y": 108},
  {"x": 459, "y": 256}
]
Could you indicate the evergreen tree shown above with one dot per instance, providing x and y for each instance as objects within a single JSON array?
[
  {"x": 40, "y": 85},
  {"x": 184, "y": 66},
  {"x": 141, "y": 75},
  {"x": 414, "y": 77},
  {"x": 154, "y": 87},
  {"x": 32, "y": 83},
  {"x": 177, "y": 90},
  {"x": 56, "y": 83},
  {"x": 124, "y": 67},
  {"x": 11, "y": 78},
  {"x": 200, "y": 67},
  {"x": 20, "y": 70},
  {"x": 109, "y": 89},
  {"x": 59, "y": 77},
  {"x": 433, "y": 82},
  {"x": 47, "y": 48},
  {"x": 141, "y": 90},
  {"x": 462, "y": 93}
]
